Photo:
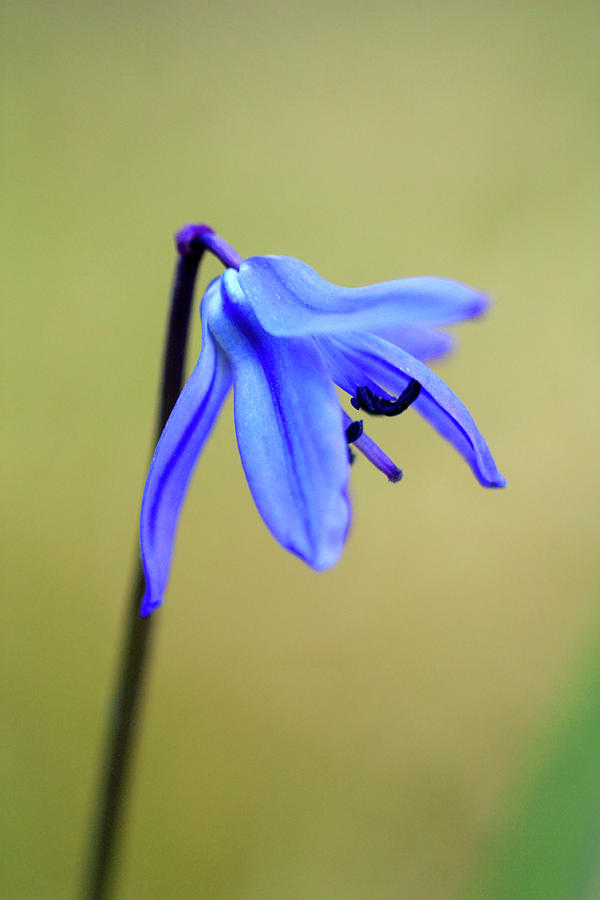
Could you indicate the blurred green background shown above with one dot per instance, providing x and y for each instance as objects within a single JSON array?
[{"x": 353, "y": 734}]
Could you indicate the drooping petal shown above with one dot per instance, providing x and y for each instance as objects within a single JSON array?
[
  {"x": 289, "y": 298},
  {"x": 176, "y": 453},
  {"x": 392, "y": 368},
  {"x": 424, "y": 343},
  {"x": 345, "y": 371},
  {"x": 289, "y": 430}
]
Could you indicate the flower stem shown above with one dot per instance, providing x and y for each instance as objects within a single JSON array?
[{"x": 122, "y": 725}]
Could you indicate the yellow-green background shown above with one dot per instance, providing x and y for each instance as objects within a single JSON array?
[{"x": 352, "y": 734}]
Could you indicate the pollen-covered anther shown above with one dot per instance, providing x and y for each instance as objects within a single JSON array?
[{"x": 368, "y": 400}]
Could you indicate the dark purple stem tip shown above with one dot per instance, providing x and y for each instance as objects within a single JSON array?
[{"x": 193, "y": 240}]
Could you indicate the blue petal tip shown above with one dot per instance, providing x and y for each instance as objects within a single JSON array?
[
  {"x": 497, "y": 481},
  {"x": 480, "y": 304},
  {"x": 148, "y": 606}
]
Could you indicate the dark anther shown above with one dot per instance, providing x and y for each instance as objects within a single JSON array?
[
  {"x": 354, "y": 431},
  {"x": 378, "y": 406}
]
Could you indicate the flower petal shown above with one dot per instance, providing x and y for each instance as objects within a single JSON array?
[
  {"x": 289, "y": 298},
  {"x": 424, "y": 343},
  {"x": 178, "y": 449},
  {"x": 289, "y": 431},
  {"x": 346, "y": 371},
  {"x": 392, "y": 368}
]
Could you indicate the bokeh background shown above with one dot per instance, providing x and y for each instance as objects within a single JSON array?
[{"x": 358, "y": 733}]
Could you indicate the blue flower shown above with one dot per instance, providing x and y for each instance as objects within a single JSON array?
[{"x": 284, "y": 338}]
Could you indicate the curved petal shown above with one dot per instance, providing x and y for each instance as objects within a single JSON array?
[
  {"x": 392, "y": 368},
  {"x": 289, "y": 298},
  {"x": 176, "y": 453},
  {"x": 345, "y": 371},
  {"x": 424, "y": 343},
  {"x": 290, "y": 433}
]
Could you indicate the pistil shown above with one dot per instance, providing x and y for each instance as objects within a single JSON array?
[{"x": 373, "y": 452}]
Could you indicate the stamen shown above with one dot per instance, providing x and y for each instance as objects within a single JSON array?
[
  {"x": 354, "y": 431},
  {"x": 378, "y": 406},
  {"x": 374, "y": 454}
]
